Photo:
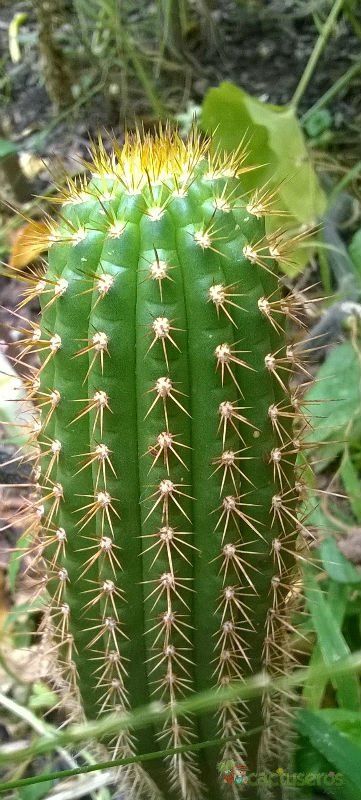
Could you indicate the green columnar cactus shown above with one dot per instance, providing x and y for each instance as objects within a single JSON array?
[{"x": 168, "y": 516}]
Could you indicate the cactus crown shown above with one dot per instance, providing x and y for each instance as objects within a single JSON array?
[{"x": 167, "y": 525}]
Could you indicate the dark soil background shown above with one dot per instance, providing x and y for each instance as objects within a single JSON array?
[{"x": 262, "y": 47}]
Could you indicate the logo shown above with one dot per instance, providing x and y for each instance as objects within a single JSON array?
[
  {"x": 233, "y": 773},
  {"x": 236, "y": 774}
]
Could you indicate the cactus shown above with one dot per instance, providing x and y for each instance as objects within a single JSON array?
[{"x": 165, "y": 452}]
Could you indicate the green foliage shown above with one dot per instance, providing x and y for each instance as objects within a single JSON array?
[
  {"x": 275, "y": 141},
  {"x": 335, "y": 403},
  {"x": 333, "y": 597},
  {"x": 35, "y": 791},
  {"x": 330, "y": 639},
  {"x": 318, "y": 122},
  {"x": 7, "y": 148},
  {"x": 334, "y": 562},
  {"x": 329, "y": 733}
]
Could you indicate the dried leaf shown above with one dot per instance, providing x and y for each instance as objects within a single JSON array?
[{"x": 29, "y": 241}]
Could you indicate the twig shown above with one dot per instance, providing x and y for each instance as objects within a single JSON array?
[
  {"x": 336, "y": 87},
  {"x": 316, "y": 52},
  {"x": 198, "y": 704}
]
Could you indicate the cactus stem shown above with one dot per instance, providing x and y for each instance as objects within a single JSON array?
[{"x": 165, "y": 236}]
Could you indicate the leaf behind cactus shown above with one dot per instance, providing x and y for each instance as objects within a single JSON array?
[{"x": 276, "y": 142}]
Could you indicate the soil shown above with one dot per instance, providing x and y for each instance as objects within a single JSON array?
[{"x": 263, "y": 47}]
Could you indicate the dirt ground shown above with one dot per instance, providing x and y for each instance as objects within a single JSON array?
[{"x": 261, "y": 47}]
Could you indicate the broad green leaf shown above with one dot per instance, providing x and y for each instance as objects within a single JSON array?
[
  {"x": 335, "y": 403},
  {"x": 314, "y": 689},
  {"x": 315, "y": 767},
  {"x": 333, "y": 645},
  {"x": 41, "y": 697},
  {"x": 318, "y": 122},
  {"x": 18, "y": 615},
  {"x": 7, "y": 148},
  {"x": 336, "y": 747},
  {"x": 351, "y": 482},
  {"x": 36, "y": 791},
  {"x": 277, "y": 143},
  {"x": 348, "y": 722},
  {"x": 336, "y": 565}
]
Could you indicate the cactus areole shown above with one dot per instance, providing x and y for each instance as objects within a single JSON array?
[{"x": 166, "y": 458}]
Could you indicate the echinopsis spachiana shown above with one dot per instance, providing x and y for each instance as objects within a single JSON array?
[{"x": 165, "y": 527}]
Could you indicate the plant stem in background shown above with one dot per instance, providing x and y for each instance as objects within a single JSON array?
[
  {"x": 198, "y": 704},
  {"x": 316, "y": 53},
  {"x": 334, "y": 90},
  {"x": 56, "y": 74}
]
